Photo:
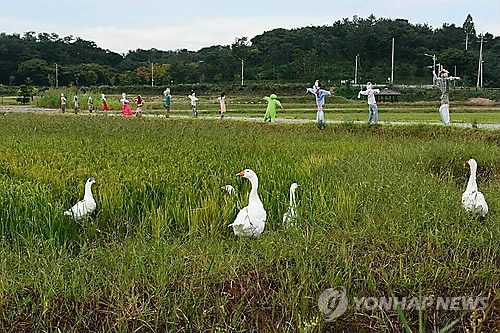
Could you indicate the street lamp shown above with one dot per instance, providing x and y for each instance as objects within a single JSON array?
[
  {"x": 434, "y": 58},
  {"x": 201, "y": 74}
]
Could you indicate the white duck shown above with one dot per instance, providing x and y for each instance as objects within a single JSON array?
[
  {"x": 229, "y": 189},
  {"x": 291, "y": 214},
  {"x": 472, "y": 199},
  {"x": 251, "y": 220},
  {"x": 85, "y": 207}
]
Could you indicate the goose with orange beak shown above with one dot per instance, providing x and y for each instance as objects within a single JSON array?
[
  {"x": 473, "y": 200},
  {"x": 251, "y": 220}
]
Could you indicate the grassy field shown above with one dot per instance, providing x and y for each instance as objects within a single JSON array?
[{"x": 379, "y": 211}]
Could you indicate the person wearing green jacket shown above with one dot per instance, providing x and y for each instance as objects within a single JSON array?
[{"x": 272, "y": 104}]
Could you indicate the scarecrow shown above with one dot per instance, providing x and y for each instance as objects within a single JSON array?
[
  {"x": 126, "y": 111},
  {"x": 372, "y": 102},
  {"x": 272, "y": 103},
  {"x": 90, "y": 103},
  {"x": 193, "y": 100},
  {"x": 443, "y": 82},
  {"x": 320, "y": 100}
]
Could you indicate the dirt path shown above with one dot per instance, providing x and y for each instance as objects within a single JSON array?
[{"x": 252, "y": 119}]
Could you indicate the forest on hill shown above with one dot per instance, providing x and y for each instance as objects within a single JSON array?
[{"x": 280, "y": 55}]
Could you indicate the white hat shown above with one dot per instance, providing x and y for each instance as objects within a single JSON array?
[
  {"x": 62, "y": 94},
  {"x": 443, "y": 70},
  {"x": 369, "y": 85}
]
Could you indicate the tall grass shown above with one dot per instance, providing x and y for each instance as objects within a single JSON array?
[{"x": 378, "y": 208}]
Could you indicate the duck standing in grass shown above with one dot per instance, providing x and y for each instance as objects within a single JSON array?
[
  {"x": 251, "y": 220},
  {"x": 291, "y": 214},
  {"x": 320, "y": 95},
  {"x": 84, "y": 208},
  {"x": 229, "y": 189},
  {"x": 272, "y": 104},
  {"x": 473, "y": 200}
]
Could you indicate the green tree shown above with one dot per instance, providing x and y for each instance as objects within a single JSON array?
[
  {"x": 469, "y": 27},
  {"x": 36, "y": 69}
]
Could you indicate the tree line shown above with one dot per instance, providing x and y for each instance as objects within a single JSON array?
[{"x": 280, "y": 55}]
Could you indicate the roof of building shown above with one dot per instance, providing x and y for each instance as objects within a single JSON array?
[{"x": 388, "y": 92}]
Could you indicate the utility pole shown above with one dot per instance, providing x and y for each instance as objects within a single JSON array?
[
  {"x": 434, "y": 58},
  {"x": 152, "y": 76},
  {"x": 392, "y": 70},
  {"x": 455, "y": 81},
  {"x": 480, "y": 69},
  {"x": 466, "y": 41},
  {"x": 356, "y": 71},
  {"x": 242, "y": 72},
  {"x": 57, "y": 79},
  {"x": 482, "y": 76}
]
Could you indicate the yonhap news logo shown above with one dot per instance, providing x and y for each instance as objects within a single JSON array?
[{"x": 333, "y": 303}]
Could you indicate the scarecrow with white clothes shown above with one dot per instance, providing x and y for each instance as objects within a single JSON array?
[
  {"x": 372, "y": 102},
  {"x": 443, "y": 83},
  {"x": 320, "y": 100}
]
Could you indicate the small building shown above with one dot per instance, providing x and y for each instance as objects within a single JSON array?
[{"x": 388, "y": 95}]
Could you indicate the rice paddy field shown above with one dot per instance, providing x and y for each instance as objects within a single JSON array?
[
  {"x": 379, "y": 212},
  {"x": 295, "y": 107}
]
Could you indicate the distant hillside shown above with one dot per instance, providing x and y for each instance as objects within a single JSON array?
[{"x": 325, "y": 52}]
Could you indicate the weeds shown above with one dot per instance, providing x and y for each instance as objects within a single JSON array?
[{"x": 376, "y": 204}]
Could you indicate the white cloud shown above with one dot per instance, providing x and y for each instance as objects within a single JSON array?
[{"x": 492, "y": 28}]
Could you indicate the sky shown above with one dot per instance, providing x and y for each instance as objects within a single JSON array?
[{"x": 123, "y": 25}]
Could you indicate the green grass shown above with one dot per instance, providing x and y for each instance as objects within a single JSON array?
[
  {"x": 379, "y": 211},
  {"x": 296, "y": 107}
]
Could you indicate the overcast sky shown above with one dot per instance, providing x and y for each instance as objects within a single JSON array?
[{"x": 125, "y": 24}]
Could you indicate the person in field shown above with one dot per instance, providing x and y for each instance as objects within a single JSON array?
[
  {"x": 272, "y": 104},
  {"x": 104, "y": 103},
  {"x": 90, "y": 104},
  {"x": 168, "y": 101},
  {"x": 126, "y": 111},
  {"x": 443, "y": 82},
  {"x": 320, "y": 95},
  {"x": 372, "y": 102},
  {"x": 140, "y": 103},
  {"x": 193, "y": 99},
  {"x": 75, "y": 101},
  {"x": 63, "y": 103},
  {"x": 222, "y": 101}
]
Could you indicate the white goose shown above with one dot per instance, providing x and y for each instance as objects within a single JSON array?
[
  {"x": 472, "y": 199},
  {"x": 291, "y": 214},
  {"x": 85, "y": 207},
  {"x": 251, "y": 220},
  {"x": 229, "y": 189}
]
